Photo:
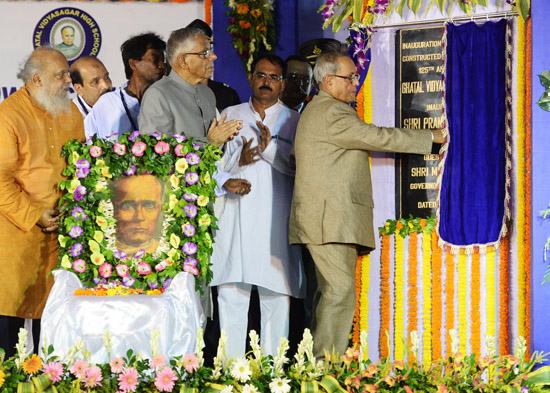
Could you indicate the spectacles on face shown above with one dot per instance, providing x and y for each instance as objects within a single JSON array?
[
  {"x": 351, "y": 79},
  {"x": 204, "y": 54},
  {"x": 272, "y": 77},
  {"x": 298, "y": 77}
]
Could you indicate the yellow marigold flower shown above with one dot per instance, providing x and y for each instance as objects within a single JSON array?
[
  {"x": 74, "y": 183},
  {"x": 181, "y": 165},
  {"x": 206, "y": 178},
  {"x": 2, "y": 379},
  {"x": 66, "y": 262},
  {"x": 174, "y": 240},
  {"x": 111, "y": 291},
  {"x": 97, "y": 258},
  {"x": 203, "y": 200},
  {"x": 175, "y": 181},
  {"x": 32, "y": 364},
  {"x": 172, "y": 202},
  {"x": 241, "y": 9},
  {"x": 256, "y": 12},
  {"x": 94, "y": 246},
  {"x": 98, "y": 236},
  {"x": 411, "y": 225},
  {"x": 244, "y": 24}
]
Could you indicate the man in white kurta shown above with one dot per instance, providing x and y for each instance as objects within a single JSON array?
[{"x": 251, "y": 247}]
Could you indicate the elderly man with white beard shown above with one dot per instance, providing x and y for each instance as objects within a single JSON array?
[{"x": 35, "y": 123}]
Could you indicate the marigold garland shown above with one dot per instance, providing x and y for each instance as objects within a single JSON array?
[
  {"x": 521, "y": 177},
  {"x": 360, "y": 103},
  {"x": 437, "y": 298},
  {"x": 356, "y": 330},
  {"x": 528, "y": 183},
  {"x": 385, "y": 315},
  {"x": 208, "y": 11},
  {"x": 462, "y": 304},
  {"x": 399, "y": 331},
  {"x": 413, "y": 289},
  {"x": 449, "y": 297},
  {"x": 426, "y": 296},
  {"x": 365, "y": 280},
  {"x": 504, "y": 297},
  {"x": 367, "y": 95},
  {"x": 475, "y": 303},
  {"x": 490, "y": 285}
]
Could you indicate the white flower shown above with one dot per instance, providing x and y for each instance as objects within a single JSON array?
[
  {"x": 279, "y": 385},
  {"x": 240, "y": 370},
  {"x": 250, "y": 388},
  {"x": 227, "y": 389}
]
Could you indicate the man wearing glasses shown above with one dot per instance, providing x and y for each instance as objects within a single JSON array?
[
  {"x": 180, "y": 104},
  {"x": 332, "y": 204},
  {"x": 251, "y": 247}
]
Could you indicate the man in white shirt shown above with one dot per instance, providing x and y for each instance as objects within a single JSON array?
[
  {"x": 90, "y": 81},
  {"x": 117, "y": 112},
  {"x": 251, "y": 247}
]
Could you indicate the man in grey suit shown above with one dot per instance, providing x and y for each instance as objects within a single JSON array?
[
  {"x": 179, "y": 103},
  {"x": 332, "y": 204}
]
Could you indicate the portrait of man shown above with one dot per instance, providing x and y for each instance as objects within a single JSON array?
[
  {"x": 137, "y": 203},
  {"x": 67, "y": 46}
]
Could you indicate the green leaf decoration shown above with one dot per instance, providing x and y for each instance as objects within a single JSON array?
[
  {"x": 414, "y": 5},
  {"x": 441, "y": 4},
  {"x": 400, "y": 7},
  {"x": 540, "y": 377},
  {"x": 358, "y": 10},
  {"x": 523, "y": 7},
  {"x": 344, "y": 15},
  {"x": 463, "y": 7},
  {"x": 545, "y": 78},
  {"x": 482, "y": 2}
]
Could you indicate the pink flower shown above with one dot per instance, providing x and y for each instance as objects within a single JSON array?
[
  {"x": 191, "y": 269},
  {"x": 95, "y": 151},
  {"x": 161, "y": 266},
  {"x": 105, "y": 270},
  {"x": 117, "y": 365},
  {"x": 54, "y": 371},
  {"x": 179, "y": 150},
  {"x": 139, "y": 148},
  {"x": 79, "y": 368},
  {"x": 191, "y": 362},
  {"x": 144, "y": 268},
  {"x": 162, "y": 147},
  {"x": 158, "y": 362},
  {"x": 92, "y": 377},
  {"x": 79, "y": 265},
  {"x": 119, "y": 148},
  {"x": 122, "y": 270},
  {"x": 165, "y": 380},
  {"x": 128, "y": 380}
]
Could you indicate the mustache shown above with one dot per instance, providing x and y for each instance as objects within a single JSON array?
[{"x": 266, "y": 87}]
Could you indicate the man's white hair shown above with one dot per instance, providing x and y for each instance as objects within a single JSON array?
[
  {"x": 180, "y": 40},
  {"x": 34, "y": 64},
  {"x": 327, "y": 64}
]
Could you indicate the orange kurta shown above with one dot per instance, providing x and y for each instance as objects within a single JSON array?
[{"x": 30, "y": 169}]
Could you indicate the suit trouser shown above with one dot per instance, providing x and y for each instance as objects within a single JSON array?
[
  {"x": 334, "y": 301},
  {"x": 233, "y": 303}
]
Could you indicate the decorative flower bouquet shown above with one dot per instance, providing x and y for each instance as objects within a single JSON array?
[
  {"x": 87, "y": 239},
  {"x": 251, "y": 26},
  {"x": 255, "y": 373}
]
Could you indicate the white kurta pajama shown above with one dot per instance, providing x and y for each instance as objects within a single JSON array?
[{"x": 251, "y": 247}]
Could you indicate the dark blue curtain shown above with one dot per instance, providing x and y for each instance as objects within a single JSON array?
[{"x": 473, "y": 183}]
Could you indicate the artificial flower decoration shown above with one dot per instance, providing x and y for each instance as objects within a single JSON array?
[{"x": 88, "y": 233}]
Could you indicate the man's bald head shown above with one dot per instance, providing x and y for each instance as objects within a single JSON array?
[
  {"x": 46, "y": 76},
  {"x": 90, "y": 79}
]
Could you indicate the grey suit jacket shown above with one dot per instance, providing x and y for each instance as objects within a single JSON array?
[
  {"x": 171, "y": 105},
  {"x": 332, "y": 200}
]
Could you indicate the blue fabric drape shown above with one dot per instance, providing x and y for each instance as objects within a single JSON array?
[{"x": 473, "y": 183}]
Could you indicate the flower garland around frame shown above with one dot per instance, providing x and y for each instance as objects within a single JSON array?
[
  {"x": 251, "y": 25},
  {"x": 87, "y": 229}
]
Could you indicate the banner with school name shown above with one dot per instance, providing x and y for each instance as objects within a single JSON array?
[
  {"x": 418, "y": 96},
  {"x": 83, "y": 28}
]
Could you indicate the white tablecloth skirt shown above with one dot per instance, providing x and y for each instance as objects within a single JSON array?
[{"x": 177, "y": 315}]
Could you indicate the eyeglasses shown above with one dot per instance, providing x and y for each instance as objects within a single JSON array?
[
  {"x": 272, "y": 77},
  {"x": 351, "y": 79},
  {"x": 297, "y": 76},
  {"x": 203, "y": 54}
]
